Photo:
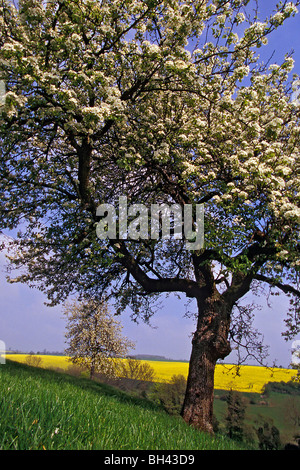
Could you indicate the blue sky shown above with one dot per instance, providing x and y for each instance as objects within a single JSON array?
[{"x": 27, "y": 324}]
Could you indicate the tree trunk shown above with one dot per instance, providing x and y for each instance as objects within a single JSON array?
[
  {"x": 92, "y": 370},
  {"x": 210, "y": 343}
]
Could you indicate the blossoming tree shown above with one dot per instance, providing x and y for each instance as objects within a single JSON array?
[
  {"x": 162, "y": 101},
  {"x": 94, "y": 338}
]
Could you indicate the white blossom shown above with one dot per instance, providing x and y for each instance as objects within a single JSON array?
[{"x": 290, "y": 8}]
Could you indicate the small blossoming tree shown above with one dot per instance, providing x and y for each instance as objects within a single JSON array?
[
  {"x": 161, "y": 101},
  {"x": 94, "y": 337}
]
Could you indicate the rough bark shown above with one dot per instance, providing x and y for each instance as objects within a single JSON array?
[{"x": 210, "y": 343}]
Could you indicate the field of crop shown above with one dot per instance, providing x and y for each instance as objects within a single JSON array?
[{"x": 248, "y": 379}]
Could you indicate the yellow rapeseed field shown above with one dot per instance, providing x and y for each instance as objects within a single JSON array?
[
  {"x": 248, "y": 379},
  {"x": 227, "y": 376},
  {"x": 61, "y": 362}
]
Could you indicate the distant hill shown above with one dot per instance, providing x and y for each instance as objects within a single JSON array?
[{"x": 151, "y": 357}]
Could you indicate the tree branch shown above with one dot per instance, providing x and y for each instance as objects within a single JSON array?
[
  {"x": 286, "y": 288},
  {"x": 189, "y": 287}
]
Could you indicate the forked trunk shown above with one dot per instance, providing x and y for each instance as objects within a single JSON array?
[{"x": 210, "y": 343}]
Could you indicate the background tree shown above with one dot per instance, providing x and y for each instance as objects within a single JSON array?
[
  {"x": 170, "y": 394},
  {"x": 161, "y": 101},
  {"x": 268, "y": 435},
  {"x": 32, "y": 360},
  {"x": 94, "y": 337},
  {"x": 236, "y": 410},
  {"x": 134, "y": 369}
]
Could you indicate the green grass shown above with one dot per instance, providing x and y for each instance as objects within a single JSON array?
[{"x": 43, "y": 409}]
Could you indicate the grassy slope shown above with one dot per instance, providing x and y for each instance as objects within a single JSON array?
[{"x": 42, "y": 409}]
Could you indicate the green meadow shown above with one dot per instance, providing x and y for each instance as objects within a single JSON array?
[{"x": 43, "y": 409}]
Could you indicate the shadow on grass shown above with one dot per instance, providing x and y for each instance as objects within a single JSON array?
[{"x": 18, "y": 369}]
